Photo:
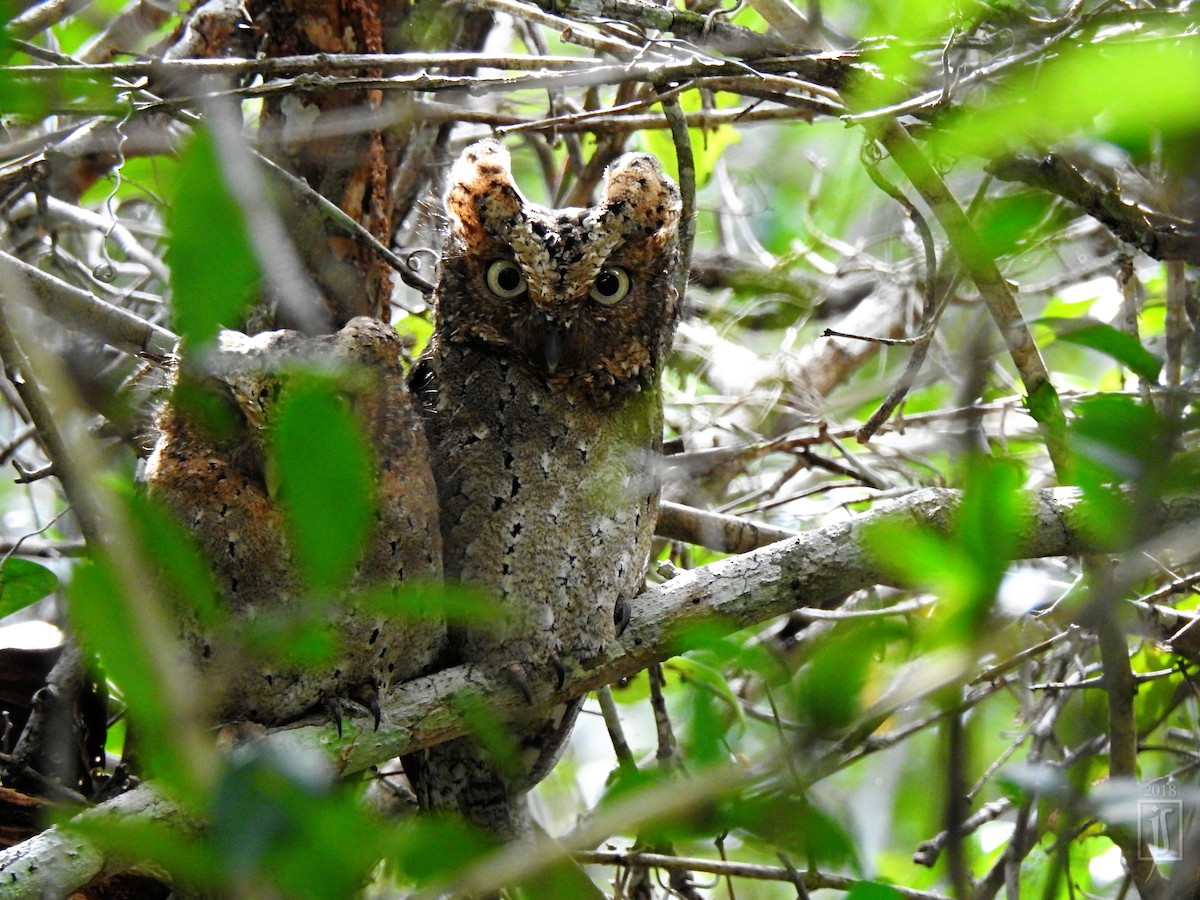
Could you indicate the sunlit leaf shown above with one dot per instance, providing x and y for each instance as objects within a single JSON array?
[
  {"x": 56, "y": 92},
  {"x": 1124, "y": 348},
  {"x": 418, "y": 330},
  {"x": 23, "y": 582},
  {"x": 1129, "y": 89},
  {"x": 707, "y": 144},
  {"x": 214, "y": 275}
]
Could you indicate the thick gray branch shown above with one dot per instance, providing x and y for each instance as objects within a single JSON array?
[{"x": 816, "y": 569}]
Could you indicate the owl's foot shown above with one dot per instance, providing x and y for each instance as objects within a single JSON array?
[
  {"x": 365, "y": 696},
  {"x": 518, "y": 674}
]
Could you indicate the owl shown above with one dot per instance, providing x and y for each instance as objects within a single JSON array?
[
  {"x": 216, "y": 478},
  {"x": 542, "y": 404}
]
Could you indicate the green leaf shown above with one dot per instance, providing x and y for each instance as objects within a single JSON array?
[
  {"x": 1124, "y": 348},
  {"x": 55, "y": 92},
  {"x": 416, "y": 329},
  {"x": 698, "y": 673},
  {"x": 707, "y": 144},
  {"x": 23, "y": 582},
  {"x": 281, "y": 819},
  {"x": 1004, "y": 223},
  {"x": 873, "y": 890},
  {"x": 1044, "y": 404},
  {"x": 1117, "y": 442},
  {"x": 797, "y": 824},
  {"x": 325, "y": 475},
  {"x": 1128, "y": 89},
  {"x": 704, "y": 739},
  {"x": 915, "y": 556},
  {"x": 214, "y": 275},
  {"x": 829, "y": 689},
  {"x": 965, "y": 567},
  {"x": 987, "y": 528},
  {"x": 182, "y": 570},
  {"x": 188, "y": 857},
  {"x": 434, "y": 847}
]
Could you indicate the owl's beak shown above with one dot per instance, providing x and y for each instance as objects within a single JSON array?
[{"x": 552, "y": 348}]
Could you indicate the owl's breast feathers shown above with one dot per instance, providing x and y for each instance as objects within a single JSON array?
[{"x": 548, "y": 502}]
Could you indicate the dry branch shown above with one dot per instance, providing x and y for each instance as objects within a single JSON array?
[
  {"x": 1154, "y": 233},
  {"x": 82, "y": 310}
]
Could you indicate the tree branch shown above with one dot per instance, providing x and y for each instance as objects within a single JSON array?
[
  {"x": 84, "y": 311},
  {"x": 1152, "y": 232}
]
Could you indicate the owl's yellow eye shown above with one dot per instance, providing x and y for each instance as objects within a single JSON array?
[
  {"x": 611, "y": 286},
  {"x": 505, "y": 279}
]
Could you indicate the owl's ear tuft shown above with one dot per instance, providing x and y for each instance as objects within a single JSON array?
[
  {"x": 482, "y": 197},
  {"x": 640, "y": 196}
]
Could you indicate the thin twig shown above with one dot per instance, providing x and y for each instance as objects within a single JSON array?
[
  {"x": 687, "y": 186},
  {"x": 812, "y": 880},
  {"x": 997, "y": 294}
]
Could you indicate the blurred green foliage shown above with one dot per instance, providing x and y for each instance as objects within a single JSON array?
[
  {"x": 322, "y": 472},
  {"x": 214, "y": 275}
]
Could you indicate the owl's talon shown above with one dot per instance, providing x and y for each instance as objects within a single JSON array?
[
  {"x": 622, "y": 613},
  {"x": 368, "y": 696},
  {"x": 333, "y": 709},
  {"x": 517, "y": 674}
]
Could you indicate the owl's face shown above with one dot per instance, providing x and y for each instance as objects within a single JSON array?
[{"x": 583, "y": 298}]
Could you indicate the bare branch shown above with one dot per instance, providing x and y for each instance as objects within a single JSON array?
[
  {"x": 84, "y": 311},
  {"x": 727, "y": 534},
  {"x": 1154, "y": 233},
  {"x": 813, "y": 881}
]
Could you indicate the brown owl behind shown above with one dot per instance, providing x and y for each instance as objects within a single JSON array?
[
  {"x": 543, "y": 409},
  {"x": 217, "y": 483}
]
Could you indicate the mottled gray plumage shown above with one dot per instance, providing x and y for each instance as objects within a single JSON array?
[
  {"x": 544, "y": 415},
  {"x": 216, "y": 482}
]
